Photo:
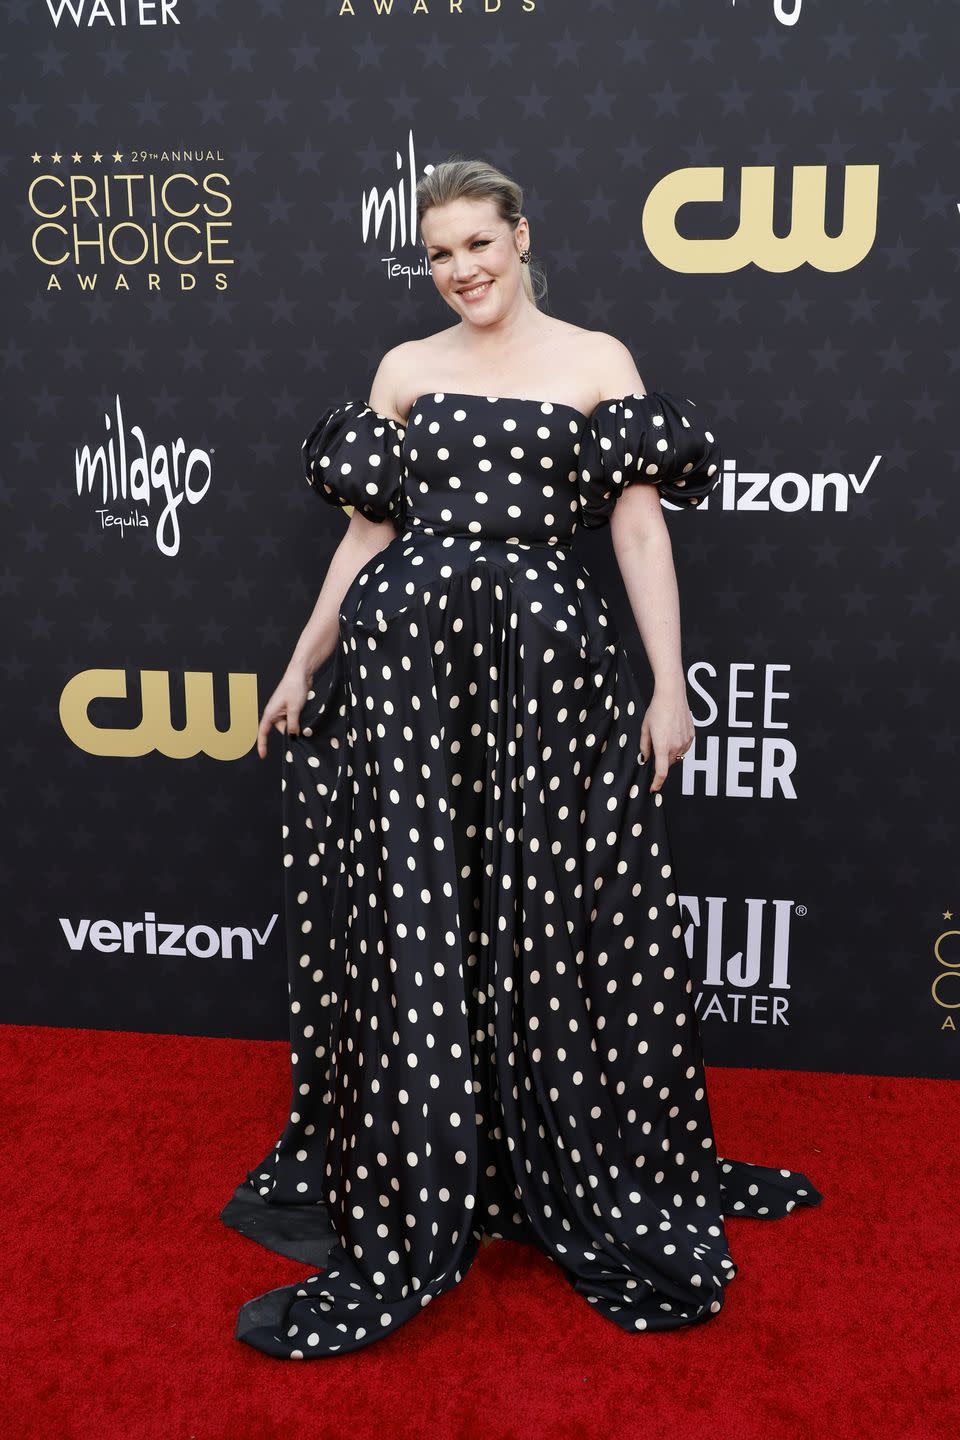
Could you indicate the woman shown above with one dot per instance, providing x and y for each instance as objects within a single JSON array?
[{"x": 492, "y": 1018}]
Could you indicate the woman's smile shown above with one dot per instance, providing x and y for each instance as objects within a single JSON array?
[{"x": 476, "y": 292}]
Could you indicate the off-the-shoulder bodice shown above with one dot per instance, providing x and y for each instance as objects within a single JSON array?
[{"x": 356, "y": 457}]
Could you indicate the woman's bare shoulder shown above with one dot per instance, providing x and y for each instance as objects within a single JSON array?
[
  {"x": 604, "y": 346},
  {"x": 601, "y": 361},
  {"x": 409, "y": 362},
  {"x": 387, "y": 393},
  {"x": 612, "y": 365}
]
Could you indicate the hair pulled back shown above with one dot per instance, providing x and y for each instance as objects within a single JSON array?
[{"x": 457, "y": 179}]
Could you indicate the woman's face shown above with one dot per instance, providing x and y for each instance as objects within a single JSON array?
[{"x": 474, "y": 258}]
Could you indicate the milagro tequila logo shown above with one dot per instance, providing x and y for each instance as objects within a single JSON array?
[
  {"x": 391, "y": 217},
  {"x": 132, "y": 478},
  {"x": 742, "y": 951}
]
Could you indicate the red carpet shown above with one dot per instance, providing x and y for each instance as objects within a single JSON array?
[{"x": 124, "y": 1284}]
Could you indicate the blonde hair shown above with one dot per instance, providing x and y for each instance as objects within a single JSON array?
[{"x": 457, "y": 179}]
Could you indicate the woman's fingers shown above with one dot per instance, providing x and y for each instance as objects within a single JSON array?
[
  {"x": 644, "y": 742},
  {"x": 662, "y": 768},
  {"x": 271, "y": 717},
  {"x": 262, "y": 734},
  {"x": 668, "y": 746}
]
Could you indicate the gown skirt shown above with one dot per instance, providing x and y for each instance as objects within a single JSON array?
[{"x": 491, "y": 1009}]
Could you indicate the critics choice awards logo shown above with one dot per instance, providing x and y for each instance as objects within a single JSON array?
[
  {"x": 945, "y": 986},
  {"x": 131, "y": 220}
]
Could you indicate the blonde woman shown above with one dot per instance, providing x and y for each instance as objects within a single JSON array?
[{"x": 492, "y": 1018}]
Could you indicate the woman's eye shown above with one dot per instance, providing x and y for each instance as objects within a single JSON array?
[{"x": 441, "y": 253}]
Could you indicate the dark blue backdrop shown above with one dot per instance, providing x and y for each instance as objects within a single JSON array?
[{"x": 209, "y": 241}]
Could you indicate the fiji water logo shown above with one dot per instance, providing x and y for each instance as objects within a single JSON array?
[
  {"x": 742, "y": 951},
  {"x": 83, "y": 14}
]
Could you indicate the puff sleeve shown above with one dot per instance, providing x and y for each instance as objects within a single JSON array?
[
  {"x": 655, "y": 439},
  {"x": 352, "y": 456}
]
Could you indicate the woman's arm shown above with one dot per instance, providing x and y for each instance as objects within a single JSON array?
[
  {"x": 363, "y": 539},
  {"x": 641, "y": 543}
]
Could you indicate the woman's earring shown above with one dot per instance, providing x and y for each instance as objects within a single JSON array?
[{"x": 525, "y": 257}]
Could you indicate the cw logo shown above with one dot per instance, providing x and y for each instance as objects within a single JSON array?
[
  {"x": 951, "y": 971},
  {"x": 754, "y": 239},
  {"x": 154, "y": 730}
]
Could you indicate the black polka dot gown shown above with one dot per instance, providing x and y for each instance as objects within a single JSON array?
[{"x": 491, "y": 1009}]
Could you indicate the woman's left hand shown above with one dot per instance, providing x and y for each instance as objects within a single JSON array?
[{"x": 667, "y": 732}]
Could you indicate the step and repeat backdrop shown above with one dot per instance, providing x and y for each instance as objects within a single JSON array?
[{"x": 210, "y": 238}]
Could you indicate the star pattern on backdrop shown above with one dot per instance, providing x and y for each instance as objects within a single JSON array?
[{"x": 803, "y": 372}]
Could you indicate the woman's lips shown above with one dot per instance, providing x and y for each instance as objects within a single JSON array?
[{"x": 473, "y": 294}]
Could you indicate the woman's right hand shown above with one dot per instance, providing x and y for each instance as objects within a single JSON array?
[{"x": 283, "y": 708}]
